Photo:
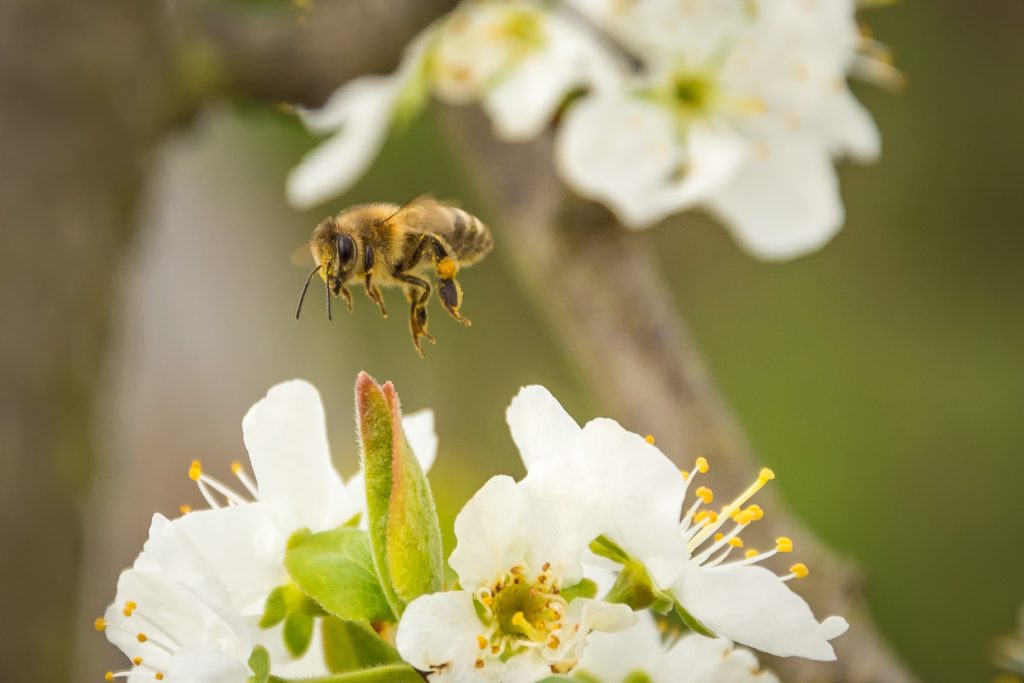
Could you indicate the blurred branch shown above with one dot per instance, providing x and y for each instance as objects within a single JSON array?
[{"x": 601, "y": 288}]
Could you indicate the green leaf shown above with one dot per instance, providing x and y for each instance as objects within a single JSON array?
[
  {"x": 389, "y": 673},
  {"x": 297, "y": 632},
  {"x": 336, "y": 569},
  {"x": 259, "y": 664},
  {"x": 404, "y": 532},
  {"x": 353, "y": 645}
]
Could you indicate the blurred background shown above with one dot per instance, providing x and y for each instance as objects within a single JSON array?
[{"x": 883, "y": 378}]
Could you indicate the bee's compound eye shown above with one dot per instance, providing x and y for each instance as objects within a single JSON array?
[{"x": 346, "y": 251}]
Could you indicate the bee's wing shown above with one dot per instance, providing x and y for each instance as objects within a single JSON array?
[
  {"x": 302, "y": 256},
  {"x": 423, "y": 213}
]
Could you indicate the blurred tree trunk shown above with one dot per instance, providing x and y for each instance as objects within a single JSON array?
[
  {"x": 602, "y": 290},
  {"x": 83, "y": 88}
]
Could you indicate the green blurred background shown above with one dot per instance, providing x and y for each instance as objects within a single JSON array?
[{"x": 882, "y": 378}]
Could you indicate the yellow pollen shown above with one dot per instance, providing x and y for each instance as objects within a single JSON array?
[
  {"x": 100, "y": 624},
  {"x": 481, "y": 642},
  {"x": 799, "y": 570},
  {"x": 129, "y": 608},
  {"x": 744, "y": 518},
  {"x": 184, "y": 509},
  {"x": 236, "y": 467},
  {"x": 686, "y": 475},
  {"x": 756, "y": 510},
  {"x": 705, "y": 494},
  {"x": 702, "y": 465},
  {"x": 784, "y": 544},
  {"x": 719, "y": 536},
  {"x": 766, "y": 475},
  {"x": 109, "y": 676},
  {"x": 736, "y": 542},
  {"x": 158, "y": 676},
  {"x": 478, "y": 664},
  {"x": 649, "y": 439},
  {"x": 751, "y": 553},
  {"x": 142, "y": 637},
  {"x": 195, "y": 470},
  {"x": 137, "y": 661},
  {"x": 553, "y": 642},
  {"x": 447, "y": 268}
]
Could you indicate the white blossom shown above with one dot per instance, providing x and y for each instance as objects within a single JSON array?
[
  {"x": 641, "y": 653},
  {"x": 519, "y": 548},
  {"x": 639, "y": 506},
  {"x": 741, "y": 108}
]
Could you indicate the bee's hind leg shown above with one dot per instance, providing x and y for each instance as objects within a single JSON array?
[
  {"x": 417, "y": 292},
  {"x": 447, "y": 267}
]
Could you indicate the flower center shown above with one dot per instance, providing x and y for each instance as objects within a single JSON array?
[{"x": 690, "y": 91}]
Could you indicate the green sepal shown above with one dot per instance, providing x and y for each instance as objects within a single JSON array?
[
  {"x": 633, "y": 587},
  {"x": 259, "y": 664},
  {"x": 336, "y": 570},
  {"x": 584, "y": 589},
  {"x": 354, "y": 645},
  {"x": 297, "y": 632},
  {"x": 692, "y": 622},
  {"x": 388, "y": 673},
  {"x": 405, "y": 534},
  {"x": 608, "y": 549},
  {"x": 275, "y": 609}
]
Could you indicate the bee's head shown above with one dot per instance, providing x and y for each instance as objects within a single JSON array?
[{"x": 334, "y": 250}]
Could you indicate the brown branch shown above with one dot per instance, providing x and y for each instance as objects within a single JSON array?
[{"x": 601, "y": 288}]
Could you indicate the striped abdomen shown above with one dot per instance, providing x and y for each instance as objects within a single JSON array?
[{"x": 468, "y": 237}]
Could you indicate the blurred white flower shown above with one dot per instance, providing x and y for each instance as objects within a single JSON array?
[
  {"x": 638, "y": 498},
  {"x": 741, "y": 108},
  {"x": 519, "y": 547},
  {"x": 172, "y": 616},
  {"x": 517, "y": 59},
  {"x": 640, "y": 654}
]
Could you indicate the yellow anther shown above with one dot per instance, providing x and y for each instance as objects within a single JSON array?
[
  {"x": 705, "y": 494},
  {"x": 553, "y": 642},
  {"x": 109, "y": 676},
  {"x": 137, "y": 661},
  {"x": 487, "y": 600},
  {"x": 702, "y": 465},
  {"x": 184, "y": 509},
  {"x": 649, "y": 439},
  {"x": 195, "y": 470},
  {"x": 100, "y": 624},
  {"x": 756, "y": 510},
  {"x": 766, "y": 475},
  {"x": 158, "y": 676},
  {"x": 478, "y": 664},
  {"x": 236, "y": 467},
  {"x": 706, "y": 517},
  {"x": 736, "y": 542},
  {"x": 753, "y": 552},
  {"x": 481, "y": 642},
  {"x": 142, "y": 637},
  {"x": 784, "y": 544},
  {"x": 799, "y": 570},
  {"x": 719, "y": 536},
  {"x": 686, "y": 475},
  {"x": 744, "y": 518}
]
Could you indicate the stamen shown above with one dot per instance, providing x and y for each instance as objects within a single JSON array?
[
  {"x": 705, "y": 494},
  {"x": 702, "y": 465},
  {"x": 184, "y": 509},
  {"x": 763, "y": 478},
  {"x": 797, "y": 571},
  {"x": 481, "y": 642},
  {"x": 784, "y": 544},
  {"x": 100, "y": 624},
  {"x": 129, "y": 608},
  {"x": 649, "y": 439},
  {"x": 239, "y": 471},
  {"x": 752, "y": 553}
]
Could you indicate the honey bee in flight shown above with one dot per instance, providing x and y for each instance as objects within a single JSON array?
[{"x": 387, "y": 245}]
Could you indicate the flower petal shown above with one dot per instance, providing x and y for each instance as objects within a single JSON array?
[
  {"x": 613, "y": 656},
  {"x": 491, "y": 532},
  {"x": 851, "y": 129},
  {"x": 438, "y": 632},
  {"x": 286, "y": 437},
  {"x": 638, "y": 493},
  {"x": 753, "y": 606},
  {"x": 783, "y": 203},
  {"x": 696, "y": 659},
  {"x": 363, "y": 109},
  {"x": 540, "y": 426},
  {"x": 203, "y": 665},
  {"x": 419, "y": 431}
]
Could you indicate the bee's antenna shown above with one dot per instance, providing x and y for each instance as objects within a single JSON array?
[
  {"x": 302, "y": 297},
  {"x": 327, "y": 291}
]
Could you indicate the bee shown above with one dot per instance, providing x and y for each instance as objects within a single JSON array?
[{"x": 387, "y": 245}]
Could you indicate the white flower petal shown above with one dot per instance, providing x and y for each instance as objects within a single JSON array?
[
  {"x": 419, "y": 432},
  {"x": 851, "y": 129},
  {"x": 540, "y": 427},
  {"x": 202, "y": 665},
  {"x": 753, "y": 606},
  {"x": 363, "y": 110},
  {"x": 696, "y": 659},
  {"x": 638, "y": 492},
  {"x": 243, "y": 548},
  {"x": 784, "y": 203},
  {"x": 491, "y": 532},
  {"x": 613, "y": 656},
  {"x": 439, "y": 632}
]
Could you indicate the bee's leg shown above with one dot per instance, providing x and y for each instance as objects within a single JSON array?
[
  {"x": 417, "y": 292},
  {"x": 347, "y": 296},
  {"x": 447, "y": 267},
  {"x": 371, "y": 289}
]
